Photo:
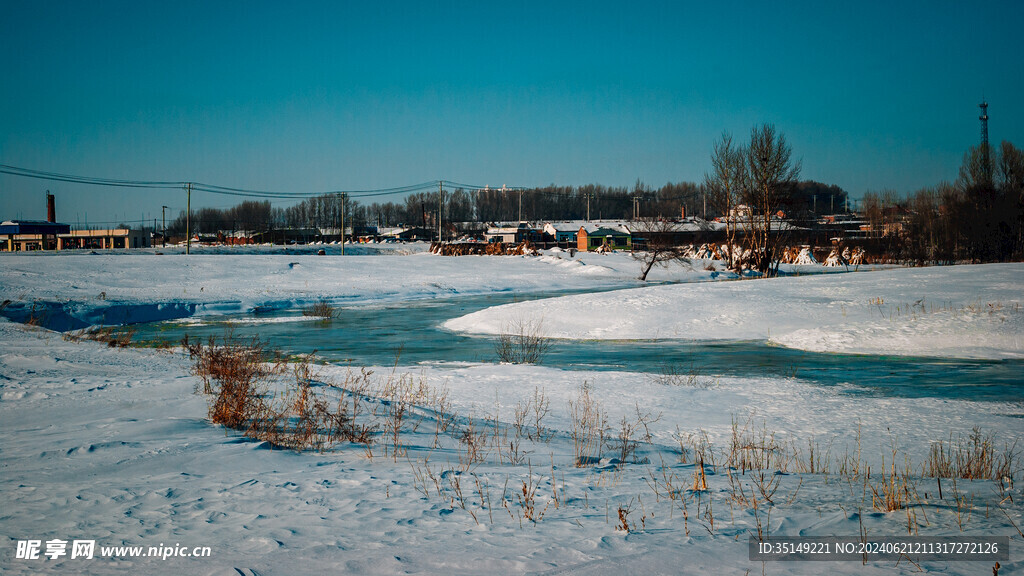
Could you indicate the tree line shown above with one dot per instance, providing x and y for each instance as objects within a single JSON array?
[
  {"x": 978, "y": 218},
  {"x": 549, "y": 203}
]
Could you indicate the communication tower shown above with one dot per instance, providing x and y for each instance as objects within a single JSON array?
[{"x": 986, "y": 161}]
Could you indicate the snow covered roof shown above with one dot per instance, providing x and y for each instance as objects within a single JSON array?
[
  {"x": 693, "y": 224},
  {"x": 595, "y": 225},
  {"x": 33, "y": 227},
  {"x": 564, "y": 226}
]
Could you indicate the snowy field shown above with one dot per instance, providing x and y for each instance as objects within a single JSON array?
[
  {"x": 961, "y": 311},
  {"x": 114, "y": 445}
]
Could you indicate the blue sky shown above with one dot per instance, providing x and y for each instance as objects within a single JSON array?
[{"x": 319, "y": 96}]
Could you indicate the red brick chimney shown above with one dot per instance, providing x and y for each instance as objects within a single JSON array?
[{"x": 51, "y": 209}]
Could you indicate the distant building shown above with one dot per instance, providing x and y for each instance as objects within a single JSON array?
[
  {"x": 513, "y": 233},
  {"x": 287, "y": 236},
  {"x": 417, "y": 234},
  {"x": 32, "y": 235},
  {"x": 22, "y": 235},
  {"x": 672, "y": 232},
  {"x": 363, "y": 233},
  {"x": 104, "y": 239},
  {"x": 564, "y": 233},
  {"x": 607, "y": 236}
]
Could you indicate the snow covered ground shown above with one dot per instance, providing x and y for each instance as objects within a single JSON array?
[
  {"x": 960, "y": 311},
  {"x": 217, "y": 279},
  {"x": 113, "y": 445},
  {"x": 212, "y": 281}
]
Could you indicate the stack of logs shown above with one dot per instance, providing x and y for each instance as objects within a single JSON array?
[{"x": 480, "y": 248}]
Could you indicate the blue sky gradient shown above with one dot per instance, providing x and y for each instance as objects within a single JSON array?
[{"x": 321, "y": 96}]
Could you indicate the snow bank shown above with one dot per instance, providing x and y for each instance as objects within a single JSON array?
[
  {"x": 955, "y": 311},
  {"x": 73, "y": 289},
  {"x": 69, "y": 291}
]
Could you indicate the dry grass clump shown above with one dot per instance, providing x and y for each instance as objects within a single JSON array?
[
  {"x": 532, "y": 412},
  {"x": 114, "y": 336},
  {"x": 975, "y": 457},
  {"x": 234, "y": 361},
  {"x": 626, "y": 439},
  {"x": 753, "y": 448},
  {"x": 400, "y": 394},
  {"x": 521, "y": 343},
  {"x": 307, "y": 420},
  {"x": 896, "y": 489},
  {"x": 589, "y": 427},
  {"x": 627, "y": 526},
  {"x": 679, "y": 375},
  {"x": 287, "y": 404},
  {"x": 238, "y": 374},
  {"x": 918, "y": 308},
  {"x": 321, "y": 309}
]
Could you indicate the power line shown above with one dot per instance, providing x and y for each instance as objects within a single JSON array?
[
  {"x": 279, "y": 195},
  {"x": 451, "y": 184},
  {"x": 53, "y": 176},
  {"x": 602, "y": 195},
  {"x": 213, "y": 188}
]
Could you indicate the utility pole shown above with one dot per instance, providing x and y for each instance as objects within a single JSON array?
[
  {"x": 589, "y": 194},
  {"x": 188, "y": 220},
  {"x": 163, "y": 213},
  {"x": 344, "y": 198},
  {"x": 440, "y": 208},
  {"x": 520, "y": 204}
]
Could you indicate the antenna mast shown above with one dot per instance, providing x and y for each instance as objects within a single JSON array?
[{"x": 986, "y": 161}]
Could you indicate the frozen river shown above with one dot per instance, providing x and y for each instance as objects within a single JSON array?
[{"x": 410, "y": 333}]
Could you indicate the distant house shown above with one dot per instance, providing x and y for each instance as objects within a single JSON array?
[
  {"x": 507, "y": 234},
  {"x": 611, "y": 236},
  {"x": 466, "y": 230},
  {"x": 363, "y": 233},
  {"x": 741, "y": 212},
  {"x": 390, "y": 232},
  {"x": 417, "y": 235},
  {"x": 563, "y": 233},
  {"x": 672, "y": 232},
  {"x": 237, "y": 237},
  {"x": 513, "y": 233},
  {"x": 287, "y": 236},
  {"x": 332, "y": 234}
]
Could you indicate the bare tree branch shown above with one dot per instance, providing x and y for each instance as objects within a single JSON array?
[{"x": 658, "y": 238}]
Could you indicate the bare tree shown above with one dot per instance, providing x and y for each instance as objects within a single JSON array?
[
  {"x": 1010, "y": 169},
  {"x": 1011, "y": 184},
  {"x": 772, "y": 174},
  {"x": 725, "y": 185},
  {"x": 976, "y": 170},
  {"x": 661, "y": 248}
]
